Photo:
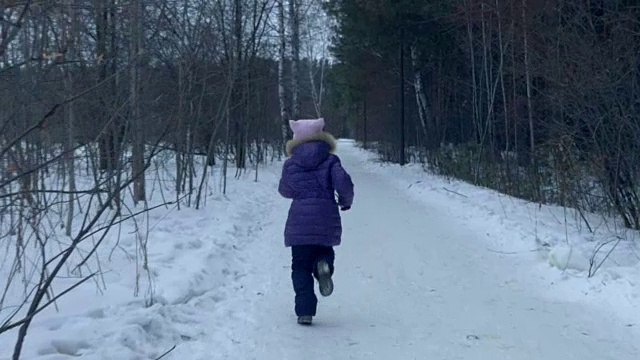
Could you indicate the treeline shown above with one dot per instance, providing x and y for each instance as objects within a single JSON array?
[
  {"x": 215, "y": 78},
  {"x": 538, "y": 99},
  {"x": 175, "y": 98}
]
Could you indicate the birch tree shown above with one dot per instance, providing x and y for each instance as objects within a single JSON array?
[
  {"x": 294, "y": 20},
  {"x": 283, "y": 88}
]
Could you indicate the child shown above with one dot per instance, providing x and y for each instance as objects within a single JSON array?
[{"x": 310, "y": 177}]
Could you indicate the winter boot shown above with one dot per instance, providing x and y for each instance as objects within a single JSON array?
[
  {"x": 324, "y": 278},
  {"x": 305, "y": 320}
]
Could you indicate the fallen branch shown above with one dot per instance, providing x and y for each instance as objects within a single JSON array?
[
  {"x": 166, "y": 353},
  {"x": 455, "y": 192},
  {"x": 512, "y": 252}
]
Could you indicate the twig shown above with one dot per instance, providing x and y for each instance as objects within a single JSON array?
[
  {"x": 46, "y": 305},
  {"x": 166, "y": 353},
  {"x": 16, "y": 28},
  {"x": 512, "y": 252},
  {"x": 57, "y": 192},
  {"x": 592, "y": 270},
  {"x": 45, "y": 282},
  {"x": 455, "y": 192},
  {"x": 114, "y": 222},
  {"x": 585, "y": 220}
]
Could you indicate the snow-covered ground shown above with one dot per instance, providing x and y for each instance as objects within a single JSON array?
[
  {"x": 195, "y": 259},
  {"x": 427, "y": 269}
]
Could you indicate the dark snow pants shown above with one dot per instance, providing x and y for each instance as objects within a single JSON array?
[{"x": 303, "y": 270}]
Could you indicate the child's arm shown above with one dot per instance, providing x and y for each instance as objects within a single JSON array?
[
  {"x": 284, "y": 188},
  {"x": 342, "y": 183}
]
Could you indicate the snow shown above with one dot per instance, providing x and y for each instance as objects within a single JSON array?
[
  {"x": 523, "y": 231},
  {"x": 428, "y": 268},
  {"x": 196, "y": 258}
]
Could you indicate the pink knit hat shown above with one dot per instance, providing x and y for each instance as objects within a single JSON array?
[{"x": 304, "y": 129}]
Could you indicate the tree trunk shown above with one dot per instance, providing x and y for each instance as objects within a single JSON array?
[
  {"x": 105, "y": 55},
  {"x": 504, "y": 94},
  {"x": 294, "y": 13},
  {"x": 70, "y": 37},
  {"x": 514, "y": 86},
  {"x": 239, "y": 97},
  {"x": 282, "y": 81},
  {"x": 69, "y": 153},
  {"x": 136, "y": 121},
  {"x": 316, "y": 94},
  {"x": 488, "y": 76},
  {"x": 528, "y": 77},
  {"x": 179, "y": 133},
  {"x": 474, "y": 86},
  {"x": 421, "y": 98}
]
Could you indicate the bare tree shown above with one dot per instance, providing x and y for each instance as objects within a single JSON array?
[
  {"x": 135, "y": 55},
  {"x": 294, "y": 21},
  {"x": 282, "y": 83},
  {"x": 527, "y": 77},
  {"x": 97, "y": 96},
  {"x": 315, "y": 32}
]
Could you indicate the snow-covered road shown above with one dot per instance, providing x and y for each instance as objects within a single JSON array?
[{"x": 411, "y": 283}]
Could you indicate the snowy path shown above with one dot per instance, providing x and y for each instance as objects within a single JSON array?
[
  {"x": 423, "y": 273},
  {"x": 411, "y": 283}
]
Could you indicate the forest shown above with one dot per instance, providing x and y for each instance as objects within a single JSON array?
[
  {"x": 539, "y": 99},
  {"x": 98, "y": 96}
]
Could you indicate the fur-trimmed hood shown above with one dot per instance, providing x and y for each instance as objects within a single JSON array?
[{"x": 322, "y": 136}]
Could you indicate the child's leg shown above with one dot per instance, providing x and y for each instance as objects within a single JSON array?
[
  {"x": 327, "y": 254},
  {"x": 323, "y": 269},
  {"x": 302, "y": 268}
]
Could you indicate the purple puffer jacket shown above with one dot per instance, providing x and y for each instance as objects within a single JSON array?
[{"x": 310, "y": 177}]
